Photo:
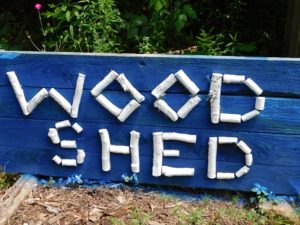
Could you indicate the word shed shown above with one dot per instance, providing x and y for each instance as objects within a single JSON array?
[{"x": 149, "y": 96}]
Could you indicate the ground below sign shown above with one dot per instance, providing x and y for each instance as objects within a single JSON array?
[{"x": 191, "y": 121}]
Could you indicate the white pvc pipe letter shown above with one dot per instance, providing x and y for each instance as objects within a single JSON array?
[
  {"x": 60, "y": 100},
  {"x": 53, "y": 135},
  {"x": 188, "y": 106},
  {"x": 212, "y": 157},
  {"x": 37, "y": 99},
  {"x": 174, "y": 171},
  {"x": 190, "y": 138},
  {"x": 242, "y": 171},
  {"x": 250, "y": 115},
  {"x": 68, "y": 162},
  {"x": 187, "y": 82},
  {"x": 77, "y": 95},
  {"x": 253, "y": 86},
  {"x": 230, "y": 118},
  {"x": 135, "y": 152},
  {"x": 233, "y": 79},
  {"x": 68, "y": 144},
  {"x": 80, "y": 156},
  {"x": 158, "y": 147},
  {"x": 215, "y": 95},
  {"x": 110, "y": 77},
  {"x": 112, "y": 108},
  {"x": 18, "y": 91},
  {"x": 171, "y": 153},
  {"x": 225, "y": 176},
  {"x": 62, "y": 124},
  {"x": 228, "y": 140},
  {"x": 128, "y": 110},
  {"x": 166, "y": 109},
  {"x": 119, "y": 149},
  {"x": 160, "y": 90},
  {"x": 127, "y": 87},
  {"x": 260, "y": 103},
  {"x": 57, "y": 159},
  {"x": 77, "y": 128},
  {"x": 106, "y": 166},
  {"x": 244, "y": 147},
  {"x": 249, "y": 159}
]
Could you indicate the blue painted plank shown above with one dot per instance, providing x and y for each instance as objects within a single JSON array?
[
  {"x": 281, "y": 180},
  {"x": 279, "y": 116},
  {"x": 272, "y": 136},
  {"x": 277, "y": 77},
  {"x": 268, "y": 149}
]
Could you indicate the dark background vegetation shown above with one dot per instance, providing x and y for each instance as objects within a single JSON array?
[{"x": 216, "y": 27}]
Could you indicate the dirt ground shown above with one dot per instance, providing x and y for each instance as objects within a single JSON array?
[{"x": 124, "y": 206}]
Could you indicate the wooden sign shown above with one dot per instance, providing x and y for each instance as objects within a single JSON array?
[{"x": 190, "y": 121}]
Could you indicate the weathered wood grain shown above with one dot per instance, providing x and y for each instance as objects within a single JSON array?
[
  {"x": 145, "y": 72},
  {"x": 268, "y": 149},
  {"x": 280, "y": 179},
  {"x": 14, "y": 196},
  {"x": 280, "y": 114}
]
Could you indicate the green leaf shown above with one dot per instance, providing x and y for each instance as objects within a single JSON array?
[
  {"x": 180, "y": 22},
  {"x": 189, "y": 11},
  {"x": 71, "y": 30},
  {"x": 64, "y": 8},
  {"x": 158, "y": 4},
  {"x": 76, "y": 14},
  {"x": 68, "y": 16}
]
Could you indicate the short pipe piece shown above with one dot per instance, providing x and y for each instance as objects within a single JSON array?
[
  {"x": 212, "y": 157},
  {"x": 109, "y": 78},
  {"x": 175, "y": 172},
  {"x": 77, "y": 128},
  {"x": 260, "y": 103},
  {"x": 188, "y": 106},
  {"x": 62, "y": 124},
  {"x": 160, "y": 90},
  {"x": 230, "y": 118},
  {"x": 80, "y": 156},
  {"x": 57, "y": 159},
  {"x": 227, "y": 140},
  {"x": 53, "y": 135},
  {"x": 60, "y": 100},
  {"x": 166, "y": 109},
  {"x": 119, "y": 149},
  {"x": 233, "y": 79},
  {"x": 189, "y": 138},
  {"x": 250, "y": 115},
  {"x": 187, "y": 82},
  {"x": 68, "y": 162},
  {"x": 242, "y": 171},
  {"x": 244, "y": 147},
  {"x": 249, "y": 159},
  {"x": 68, "y": 144},
  {"x": 253, "y": 86},
  {"x": 225, "y": 176}
]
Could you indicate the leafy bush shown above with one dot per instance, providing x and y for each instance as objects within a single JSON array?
[
  {"x": 85, "y": 26},
  {"x": 229, "y": 27}
]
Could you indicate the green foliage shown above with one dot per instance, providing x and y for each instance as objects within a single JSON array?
[
  {"x": 49, "y": 183},
  {"x": 138, "y": 217},
  {"x": 261, "y": 194},
  {"x": 229, "y": 27},
  {"x": 209, "y": 43},
  {"x": 85, "y": 26},
  {"x": 164, "y": 24},
  {"x": 8, "y": 33},
  {"x": 7, "y": 180}
]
